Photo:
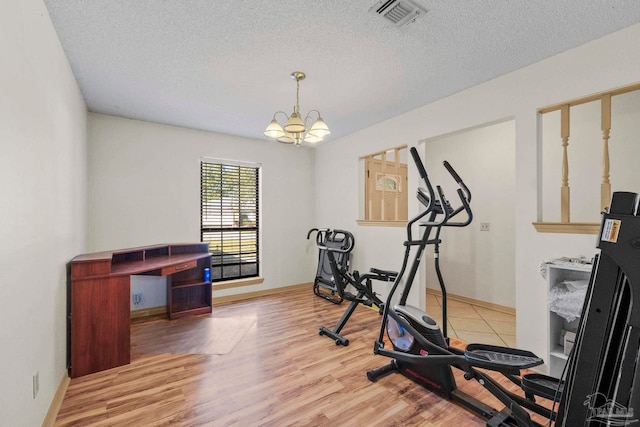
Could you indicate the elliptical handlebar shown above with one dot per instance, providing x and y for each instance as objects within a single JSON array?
[
  {"x": 465, "y": 198},
  {"x": 465, "y": 207},
  {"x": 429, "y": 200},
  {"x": 423, "y": 174},
  {"x": 458, "y": 180}
]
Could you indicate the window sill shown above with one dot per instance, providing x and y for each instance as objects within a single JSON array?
[
  {"x": 368, "y": 223},
  {"x": 567, "y": 227},
  {"x": 237, "y": 283}
]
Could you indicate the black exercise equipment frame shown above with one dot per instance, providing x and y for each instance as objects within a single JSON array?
[
  {"x": 361, "y": 283},
  {"x": 603, "y": 380},
  {"x": 324, "y": 284}
]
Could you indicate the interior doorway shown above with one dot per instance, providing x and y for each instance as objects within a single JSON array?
[{"x": 477, "y": 261}]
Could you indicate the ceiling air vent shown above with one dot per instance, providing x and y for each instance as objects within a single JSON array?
[{"x": 398, "y": 12}]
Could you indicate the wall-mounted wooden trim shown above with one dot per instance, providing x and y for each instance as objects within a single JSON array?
[
  {"x": 148, "y": 312},
  {"x": 591, "y": 98},
  {"x": 605, "y": 125},
  {"x": 565, "y": 199},
  {"x": 56, "y": 402},
  {"x": 364, "y": 222},
  {"x": 221, "y": 300},
  {"x": 567, "y": 228},
  {"x": 400, "y": 147},
  {"x": 230, "y": 284}
]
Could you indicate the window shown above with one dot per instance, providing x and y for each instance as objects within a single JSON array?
[
  {"x": 229, "y": 219},
  {"x": 385, "y": 186}
]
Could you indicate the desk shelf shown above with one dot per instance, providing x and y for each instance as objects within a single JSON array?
[
  {"x": 187, "y": 293},
  {"x": 189, "y": 284}
]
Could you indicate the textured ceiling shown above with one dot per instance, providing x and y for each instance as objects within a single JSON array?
[{"x": 224, "y": 65}]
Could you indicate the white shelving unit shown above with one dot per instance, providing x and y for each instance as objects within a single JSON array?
[{"x": 557, "y": 273}]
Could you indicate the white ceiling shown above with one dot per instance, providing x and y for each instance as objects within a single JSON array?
[{"x": 224, "y": 65}]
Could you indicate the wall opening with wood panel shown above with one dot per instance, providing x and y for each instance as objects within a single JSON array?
[
  {"x": 385, "y": 185},
  {"x": 589, "y": 148}
]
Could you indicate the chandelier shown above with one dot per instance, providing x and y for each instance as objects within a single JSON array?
[{"x": 295, "y": 130}]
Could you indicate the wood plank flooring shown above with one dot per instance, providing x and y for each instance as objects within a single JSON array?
[{"x": 282, "y": 373}]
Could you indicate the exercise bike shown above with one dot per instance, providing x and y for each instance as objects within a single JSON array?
[
  {"x": 422, "y": 351},
  {"x": 364, "y": 295}
]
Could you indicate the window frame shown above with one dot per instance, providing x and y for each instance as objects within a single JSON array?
[{"x": 227, "y": 266}]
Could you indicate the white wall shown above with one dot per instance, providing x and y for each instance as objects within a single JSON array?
[
  {"x": 609, "y": 62},
  {"x": 339, "y": 180},
  {"x": 144, "y": 188},
  {"x": 477, "y": 264},
  {"x": 42, "y": 206}
]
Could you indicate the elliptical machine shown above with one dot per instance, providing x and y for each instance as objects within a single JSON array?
[{"x": 421, "y": 351}]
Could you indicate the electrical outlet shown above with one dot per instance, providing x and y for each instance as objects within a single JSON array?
[
  {"x": 36, "y": 384},
  {"x": 484, "y": 226},
  {"x": 137, "y": 299}
]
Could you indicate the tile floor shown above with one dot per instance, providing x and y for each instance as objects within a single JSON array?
[{"x": 472, "y": 323}]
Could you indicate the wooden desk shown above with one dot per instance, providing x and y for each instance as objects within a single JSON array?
[{"x": 100, "y": 307}]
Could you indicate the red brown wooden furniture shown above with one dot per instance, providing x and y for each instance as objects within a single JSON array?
[{"x": 100, "y": 298}]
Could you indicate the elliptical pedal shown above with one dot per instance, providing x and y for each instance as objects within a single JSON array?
[
  {"x": 496, "y": 357},
  {"x": 543, "y": 385}
]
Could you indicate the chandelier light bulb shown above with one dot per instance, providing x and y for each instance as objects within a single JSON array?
[
  {"x": 319, "y": 128},
  {"x": 274, "y": 130}
]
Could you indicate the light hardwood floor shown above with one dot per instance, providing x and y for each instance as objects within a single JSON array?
[{"x": 281, "y": 373}]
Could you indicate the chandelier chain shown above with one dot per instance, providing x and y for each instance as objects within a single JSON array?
[{"x": 298, "y": 96}]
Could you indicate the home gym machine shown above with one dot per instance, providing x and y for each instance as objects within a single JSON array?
[
  {"x": 420, "y": 349},
  {"x": 365, "y": 295},
  {"x": 603, "y": 376},
  {"x": 324, "y": 284}
]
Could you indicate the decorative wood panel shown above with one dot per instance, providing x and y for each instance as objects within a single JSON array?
[
  {"x": 605, "y": 99},
  {"x": 386, "y": 187}
]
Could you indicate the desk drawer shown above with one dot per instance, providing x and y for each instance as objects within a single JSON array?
[{"x": 179, "y": 267}]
